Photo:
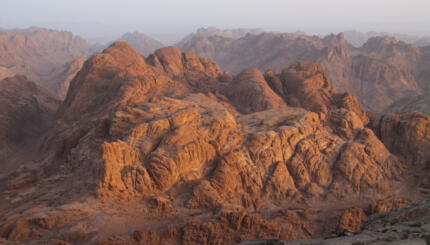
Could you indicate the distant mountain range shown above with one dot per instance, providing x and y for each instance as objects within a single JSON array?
[
  {"x": 380, "y": 72},
  {"x": 228, "y": 33},
  {"x": 52, "y": 58},
  {"x": 141, "y": 42},
  {"x": 357, "y": 39},
  {"x": 42, "y": 55}
]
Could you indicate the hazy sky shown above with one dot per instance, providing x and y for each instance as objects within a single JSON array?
[{"x": 174, "y": 18}]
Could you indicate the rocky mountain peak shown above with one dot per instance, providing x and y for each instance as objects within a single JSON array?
[{"x": 101, "y": 77}]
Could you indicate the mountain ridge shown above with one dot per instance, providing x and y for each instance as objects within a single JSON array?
[
  {"x": 379, "y": 73},
  {"x": 41, "y": 54},
  {"x": 171, "y": 137}
]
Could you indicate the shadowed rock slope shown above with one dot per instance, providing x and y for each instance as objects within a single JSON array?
[
  {"x": 171, "y": 150},
  {"x": 59, "y": 82},
  {"x": 408, "y": 225},
  {"x": 420, "y": 103},
  {"x": 27, "y": 112},
  {"x": 379, "y": 73}
]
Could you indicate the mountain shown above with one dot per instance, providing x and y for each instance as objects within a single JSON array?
[
  {"x": 40, "y": 54},
  {"x": 141, "y": 42},
  {"x": 379, "y": 73},
  {"x": 60, "y": 77},
  {"x": 172, "y": 150},
  {"x": 27, "y": 112},
  {"x": 359, "y": 38},
  {"x": 227, "y": 33}
]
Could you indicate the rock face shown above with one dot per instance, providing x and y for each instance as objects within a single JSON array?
[
  {"x": 379, "y": 73},
  {"x": 171, "y": 150},
  {"x": 353, "y": 219},
  {"x": 26, "y": 111},
  {"x": 419, "y": 103},
  {"x": 43, "y": 55},
  {"x": 408, "y": 225},
  {"x": 249, "y": 92},
  {"x": 141, "y": 42},
  {"x": 59, "y": 81},
  {"x": 405, "y": 134}
]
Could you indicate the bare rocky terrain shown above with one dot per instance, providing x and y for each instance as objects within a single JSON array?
[
  {"x": 382, "y": 71},
  {"x": 408, "y": 225},
  {"x": 420, "y": 103},
  {"x": 170, "y": 149}
]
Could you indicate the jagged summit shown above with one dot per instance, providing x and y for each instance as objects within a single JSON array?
[{"x": 336, "y": 39}]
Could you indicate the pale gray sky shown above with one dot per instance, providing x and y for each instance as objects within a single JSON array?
[{"x": 174, "y": 18}]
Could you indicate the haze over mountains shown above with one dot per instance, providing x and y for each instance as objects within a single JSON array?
[
  {"x": 382, "y": 71},
  {"x": 141, "y": 42},
  {"x": 228, "y": 33},
  {"x": 52, "y": 58},
  {"x": 41, "y": 54},
  {"x": 359, "y": 38},
  {"x": 379, "y": 73},
  {"x": 249, "y": 135}
]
